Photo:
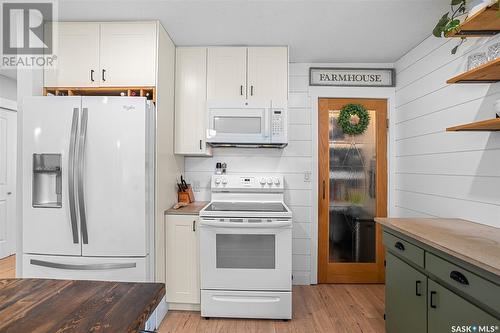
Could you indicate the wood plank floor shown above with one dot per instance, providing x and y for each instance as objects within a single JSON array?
[
  {"x": 324, "y": 308},
  {"x": 320, "y": 309},
  {"x": 8, "y": 267}
]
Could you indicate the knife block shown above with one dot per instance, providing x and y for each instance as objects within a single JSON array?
[{"x": 186, "y": 196}]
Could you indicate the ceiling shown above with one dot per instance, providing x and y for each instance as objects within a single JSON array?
[{"x": 315, "y": 30}]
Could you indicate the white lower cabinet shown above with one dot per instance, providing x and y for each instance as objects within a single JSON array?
[{"x": 183, "y": 262}]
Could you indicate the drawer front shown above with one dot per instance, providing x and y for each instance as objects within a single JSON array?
[
  {"x": 469, "y": 283},
  {"x": 404, "y": 249}
]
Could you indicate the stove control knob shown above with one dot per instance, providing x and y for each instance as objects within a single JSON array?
[
  {"x": 224, "y": 181},
  {"x": 270, "y": 181},
  {"x": 217, "y": 181},
  {"x": 276, "y": 181},
  {"x": 263, "y": 181}
]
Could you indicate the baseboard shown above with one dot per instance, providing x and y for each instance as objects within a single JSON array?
[{"x": 184, "y": 307}]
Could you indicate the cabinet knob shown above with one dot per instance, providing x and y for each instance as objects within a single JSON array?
[
  {"x": 9, "y": 193},
  {"x": 399, "y": 246}
]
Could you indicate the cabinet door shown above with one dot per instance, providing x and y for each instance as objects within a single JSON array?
[
  {"x": 227, "y": 74},
  {"x": 77, "y": 51},
  {"x": 268, "y": 75},
  {"x": 447, "y": 310},
  {"x": 405, "y": 297},
  {"x": 128, "y": 54},
  {"x": 183, "y": 275},
  {"x": 190, "y": 100}
]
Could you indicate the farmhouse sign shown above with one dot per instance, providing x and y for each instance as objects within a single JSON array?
[{"x": 352, "y": 77}]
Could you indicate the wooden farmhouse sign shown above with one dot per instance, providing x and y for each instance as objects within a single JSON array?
[{"x": 352, "y": 77}]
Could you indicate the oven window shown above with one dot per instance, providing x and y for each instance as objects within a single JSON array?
[
  {"x": 240, "y": 125},
  {"x": 246, "y": 251}
]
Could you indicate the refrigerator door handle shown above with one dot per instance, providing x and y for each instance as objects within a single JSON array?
[
  {"x": 81, "y": 173},
  {"x": 71, "y": 177},
  {"x": 87, "y": 267}
]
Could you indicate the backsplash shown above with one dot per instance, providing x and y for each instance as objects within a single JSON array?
[{"x": 294, "y": 162}]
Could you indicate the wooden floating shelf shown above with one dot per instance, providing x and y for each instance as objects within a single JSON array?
[
  {"x": 482, "y": 24},
  {"x": 486, "y": 73},
  {"x": 491, "y": 125},
  {"x": 148, "y": 92}
]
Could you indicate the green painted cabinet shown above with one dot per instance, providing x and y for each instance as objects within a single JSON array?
[
  {"x": 447, "y": 310},
  {"x": 405, "y": 297}
]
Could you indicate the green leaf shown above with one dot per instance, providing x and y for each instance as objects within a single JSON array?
[
  {"x": 452, "y": 25},
  {"x": 441, "y": 25}
]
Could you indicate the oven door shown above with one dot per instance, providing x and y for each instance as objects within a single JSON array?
[
  {"x": 238, "y": 125},
  {"x": 246, "y": 256}
]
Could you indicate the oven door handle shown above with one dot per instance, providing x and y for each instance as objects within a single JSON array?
[{"x": 256, "y": 225}]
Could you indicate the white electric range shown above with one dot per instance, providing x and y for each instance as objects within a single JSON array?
[{"x": 246, "y": 249}]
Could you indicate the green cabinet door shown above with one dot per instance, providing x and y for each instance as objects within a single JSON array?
[
  {"x": 449, "y": 312},
  {"x": 405, "y": 297}
]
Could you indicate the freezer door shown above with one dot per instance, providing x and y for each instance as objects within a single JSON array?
[
  {"x": 50, "y": 223},
  {"x": 113, "y": 198}
]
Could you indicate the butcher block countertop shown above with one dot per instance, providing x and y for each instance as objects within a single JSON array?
[
  {"x": 191, "y": 209},
  {"x": 471, "y": 242},
  {"x": 66, "y": 306}
]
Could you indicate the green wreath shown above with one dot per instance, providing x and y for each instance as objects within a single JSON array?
[{"x": 354, "y": 119}]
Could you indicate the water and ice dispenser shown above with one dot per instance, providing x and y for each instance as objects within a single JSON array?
[{"x": 47, "y": 181}]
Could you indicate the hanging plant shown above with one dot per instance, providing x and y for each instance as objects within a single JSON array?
[
  {"x": 447, "y": 23},
  {"x": 354, "y": 119}
]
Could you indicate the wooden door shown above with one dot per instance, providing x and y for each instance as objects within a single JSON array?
[
  {"x": 352, "y": 191},
  {"x": 191, "y": 100},
  {"x": 77, "y": 51},
  {"x": 226, "y": 74},
  {"x": 8, "y": 149},
  {"x": 268, "y": 75},
  {"x": 183, "y": 274},
  {"x": 128, "y": 54}
]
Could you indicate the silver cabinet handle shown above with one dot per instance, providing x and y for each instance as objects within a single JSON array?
[
  {"x": 88, "y": 267},
  {"x": 241, "y": 90},
  {"x": 71, "y": 176},
  {"x": 251, "y": 90},
  {"x": 81, "y": 175},
  {"x": 194, "y": 225}
]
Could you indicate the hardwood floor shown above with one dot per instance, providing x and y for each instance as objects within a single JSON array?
[
  {"x": 8, "y": 267},
  {"x": 324, "y": 308}
]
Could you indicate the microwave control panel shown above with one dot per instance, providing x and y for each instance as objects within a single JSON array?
[{"x": 277, "y": 122}]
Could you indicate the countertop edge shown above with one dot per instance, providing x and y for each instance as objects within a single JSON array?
[
  {"x": 461, "y": 256},
  {"x": 191, "y": 209}
]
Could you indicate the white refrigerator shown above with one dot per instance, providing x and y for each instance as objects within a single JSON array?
[{"x": 88, "y": 188}]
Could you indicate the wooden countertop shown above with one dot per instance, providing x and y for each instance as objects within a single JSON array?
[
  {"x": 191, "y": 209},
  {"x": 471, "y": 242},
  {"x": 48, "y": 306}
]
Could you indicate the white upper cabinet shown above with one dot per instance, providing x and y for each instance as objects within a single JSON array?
[
  {"x": 104, "y": 55},
  {"x": 268, "y": 75},
  {"x": 191, "y": 101},
  {"x": 128, "y": 54},
  {"x": 77, "y": 51},
  {"x": 227, "y": 74}
]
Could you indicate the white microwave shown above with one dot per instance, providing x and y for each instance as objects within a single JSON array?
[{"x": 247, "y": 127}]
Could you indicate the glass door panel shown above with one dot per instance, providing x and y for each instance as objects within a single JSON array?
[{"x": 352, "y": 193}]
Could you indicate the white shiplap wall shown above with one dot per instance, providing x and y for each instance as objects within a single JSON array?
[{"x": 439, "y": 173}]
